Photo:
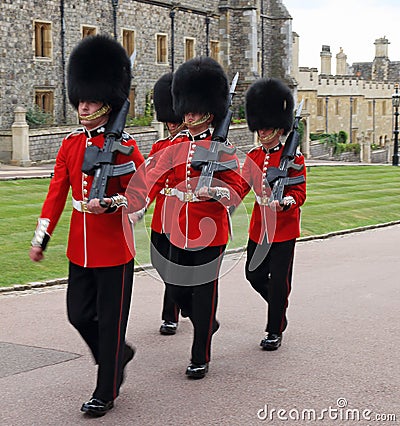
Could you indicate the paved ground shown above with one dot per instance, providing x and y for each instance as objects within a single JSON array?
[{"x": 339, "y": 359}]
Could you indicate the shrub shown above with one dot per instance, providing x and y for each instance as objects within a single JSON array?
[
  {"x": 36, "y": 117},
  {"x": 139, "y": 121},
  {"x": 342, "y": 136}
]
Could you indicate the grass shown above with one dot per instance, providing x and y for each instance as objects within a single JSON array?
[{"x": 338, "y": 198}]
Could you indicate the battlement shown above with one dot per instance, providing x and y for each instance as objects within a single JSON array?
[{"x": 309, "y": 79}]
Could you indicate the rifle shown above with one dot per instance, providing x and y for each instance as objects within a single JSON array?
[
  {"x": 278, "y": 176},
  {"x": 208, "y": 159},
  {"x": 100, "y": 162}
]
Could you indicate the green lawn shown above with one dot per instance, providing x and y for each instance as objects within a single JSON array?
[{"x": 338, "y": 198}]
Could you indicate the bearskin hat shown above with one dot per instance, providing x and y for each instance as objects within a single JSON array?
[
  {"x": 162, "y": 97},
  {"x": 269, "y": 105},
  {"x": 200, "y": 85},
  {"x": 99, "y": 69}
]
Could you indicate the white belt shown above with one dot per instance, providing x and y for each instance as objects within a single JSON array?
[
  {"x": 81, "y": 206},
  {"x": 185, "y": 197},
  {"x": 262, "y": 201}
]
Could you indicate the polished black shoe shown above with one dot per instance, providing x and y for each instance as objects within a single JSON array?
[
  {"x": 168, "y": 327},
  {"x": 96, "y": 407},
  {"x": 129, "y": 353},
  {"x": 215, "y": 326},
  {"x": 197, "y": 371},
  {"x": 271, "y": 342}
]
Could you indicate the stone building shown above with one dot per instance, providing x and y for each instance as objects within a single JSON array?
[
  {"x": 356, "y": 99},
  {"x": 36, "y": 38}
]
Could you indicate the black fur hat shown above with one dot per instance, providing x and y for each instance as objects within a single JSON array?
[
  {"x": 269, "y": 105},
  {"x": 200, "y": 85},
  {"x": 162, "y": 97},
  {"x": 99, "y": 69}
]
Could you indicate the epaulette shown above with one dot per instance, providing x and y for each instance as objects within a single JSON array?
[
  {"x": 254, "y": 148},
  {"x": 126, "y": 136},
  {"x": 75, "y": 132},
  {"x": 161, "y": 140},
  {"x": 182, "y": 133},
  {"x": 176, "y": 136}
]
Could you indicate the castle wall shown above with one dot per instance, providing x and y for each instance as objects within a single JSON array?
[{"x": 236, "y": 24}]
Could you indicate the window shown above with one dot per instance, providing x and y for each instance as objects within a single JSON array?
[
  {"x": 355, "y": 106},
  {"x": 161, "y": 49},
  {"x": 42, "y": 39},
  {"x": 337, "y": 107},
  {"x": 383, "y": 107},
  {"x": 320, "y": 107},
  {"x": 88, "y": 31},
  {"x": 44, "y": 99},
  {"x": 189, "y": 48},
  {"x": 132, "y": 112},
  {"x": 370, "y": 108},
  {"x": 214, "y": 50},
  {"x": 128, "y": 41}
]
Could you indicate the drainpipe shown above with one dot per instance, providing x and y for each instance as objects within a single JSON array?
[
  {"x": 172, "y": 16},
  {"x": 115, "y": 7},
  {"x": 262, "y": 38},
  {"x": 63, "y": 83},
  {"x": 207, "y": 35}
]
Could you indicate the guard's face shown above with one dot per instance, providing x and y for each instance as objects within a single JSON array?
[
  {"x": 86, "y": 108},
  {"x": 197, "y": 122},
  {"x": 269, "y": 137},
  {"x": 193, "y": 117},
  {"x": 173, "y": 128}
]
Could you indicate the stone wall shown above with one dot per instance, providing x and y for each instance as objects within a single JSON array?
[
  {"x": 234, "y": 23},
  {"x": 45, "y": 143},
  {"x": 5, "y": 146},
  {"x": 379, "y": 156}
]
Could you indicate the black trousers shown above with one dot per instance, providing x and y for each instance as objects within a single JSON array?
[
  {"x": 159, "y": 253},
  {"x": 198, "y": 296},
  {"x": 98, "y": 303},
  {"x": 269, "y": 268}
]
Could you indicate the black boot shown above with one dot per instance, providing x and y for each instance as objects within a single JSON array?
[
  {"x": 168, "y": 327},
  {"x": 271, "y": 342},
  {"x": 197, "y": 371},
  {"x": 97, "y": 407}
]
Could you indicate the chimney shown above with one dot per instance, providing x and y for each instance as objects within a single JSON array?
[
  {"x": 326, "y": 57},
  {"x": 381, "y": 47},
  {"x": 341, "y": 64}
]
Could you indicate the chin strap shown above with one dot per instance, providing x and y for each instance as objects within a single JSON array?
[
  {"x": 269, "y": 137},
  {"x": 199, "y": 121},
  {"x": 177, "y": 130},
  {"x": 99, "y": 113}
]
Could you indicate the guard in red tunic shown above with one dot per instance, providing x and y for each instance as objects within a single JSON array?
[
  {"x": 274, "y": 225},
  {"x": 159, "y": 249},
  {"x": 198, "y": 218},
  {"x": 100, "y": 261}
]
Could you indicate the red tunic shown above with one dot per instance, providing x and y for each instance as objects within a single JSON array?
[
  {"x": 193, "y": 224},
  {"x": 94, "y": 240},
  {"x": 157, "y": 220},
  {"x": 281, "y": 226}
]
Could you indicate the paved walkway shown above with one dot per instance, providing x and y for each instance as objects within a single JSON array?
[{"x": 339, "y": 360}]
